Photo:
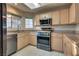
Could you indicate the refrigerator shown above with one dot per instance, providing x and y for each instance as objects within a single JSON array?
[{"x": 3, "y": 30}]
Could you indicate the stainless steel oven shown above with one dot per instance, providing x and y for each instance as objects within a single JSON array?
[{"x": 44, "y": 40}]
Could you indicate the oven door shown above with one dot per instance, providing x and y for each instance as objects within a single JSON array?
[{"x": 43, "y": 40}]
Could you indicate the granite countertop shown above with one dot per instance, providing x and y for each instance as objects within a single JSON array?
[
  {"x": 10, "y": 33},
  {"x": 73, "y": 37}
]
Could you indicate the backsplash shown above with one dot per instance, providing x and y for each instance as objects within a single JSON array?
[
  {"x": 62, "y": 28},
  {"x": 77, "y": 28},
  {"x": 65, "y": 28}
]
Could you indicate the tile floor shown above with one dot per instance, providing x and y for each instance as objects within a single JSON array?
[{"x": 33, "y": 51}]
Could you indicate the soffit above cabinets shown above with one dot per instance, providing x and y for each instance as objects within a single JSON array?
[
  {"x": 36, "y": 7},
  {"x": 20, "y": 6},
  {"x": 51, "y": 6}
]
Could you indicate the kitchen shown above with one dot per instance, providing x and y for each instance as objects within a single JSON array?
[{"x": 49, "y": 27}]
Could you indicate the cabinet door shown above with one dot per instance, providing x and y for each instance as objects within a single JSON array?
[
  {"x": 64, "y": 46},
  {"x": 56, "y": 42},
  {"x": 77, "y": 12},
  {"x": 75, "y": 50},
  {"x": 23, "y": 40},
  {"x": 64, "y": 16},
  {"x": 36, "y": 20},
  {"x": 55, "y": 17},
  {"x": 26, "y": 39},
  {"x": 19, "y": 43},
  {"x": 72, "y": 15},
  {"x": 67, "y": 46},
  {"x": 33, "y": 40}
]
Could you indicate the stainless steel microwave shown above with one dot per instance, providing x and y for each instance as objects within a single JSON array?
[{"x": 46, "y": 22}]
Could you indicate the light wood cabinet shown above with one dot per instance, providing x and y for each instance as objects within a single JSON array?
[
  {"x": 67, "y": 46},
  {"x": 55, "y": 17},
  {"x": 77, "y": 12},
  {"x": 22, "y": 40},
  {"x": 75, "y": 50},
  {"x": 33, "y": 38},
  {"x": 64, "y": 16},
  {"x": 68, "y": 15},
  {"x": 56, "y": 41},
  {"x": 72, "y": 14},
  {"x": 36, "y": 20}
]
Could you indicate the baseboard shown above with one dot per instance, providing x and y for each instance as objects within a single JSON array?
[
  {"x": 23, "y": 47},
  {"x": 32, "y": 45},
  {"x": 57, "y": 50}
]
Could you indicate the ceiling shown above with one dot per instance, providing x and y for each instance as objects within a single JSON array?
[
  {"x": 43, "y": 6},
  {"x": 35, "y": 5}
]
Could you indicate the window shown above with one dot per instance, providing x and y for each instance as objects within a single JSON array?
[
  {"x": 28, "y": 23},
  {"x": 13, "y": 22},
  {"x": 8, "y": 21},
  {"x": 16, "y": 22}
]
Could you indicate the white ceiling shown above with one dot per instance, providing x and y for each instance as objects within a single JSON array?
[{"x": 32, "y": 8}]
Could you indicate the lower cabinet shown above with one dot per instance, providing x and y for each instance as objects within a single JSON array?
[
  {"x": 69, "y": 48},
  {"x": 75, "y": 50},
  {"x": 23, "y": 40},
  {"x": 56, "y": 41},
  {"x": 33, "y": 40}
]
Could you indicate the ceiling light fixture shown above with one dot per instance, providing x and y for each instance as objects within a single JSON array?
[
  {"x": 37, "y": 4},
  {"x": 32, "y": 5},
  {"x": 16, "y": 3}
]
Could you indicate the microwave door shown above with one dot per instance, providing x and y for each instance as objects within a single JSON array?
[{"x": 44, "y": 22}]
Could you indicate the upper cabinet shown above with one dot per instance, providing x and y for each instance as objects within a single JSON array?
[
  {"x": 36, "y": 20},
  {"x": 67, "y": 15},
  {"x": 72, "y": 14},
  {"x": 77, "y": 12},
  {"x": 55, "y": 18},
  {"x": 64, "y": 16}
]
